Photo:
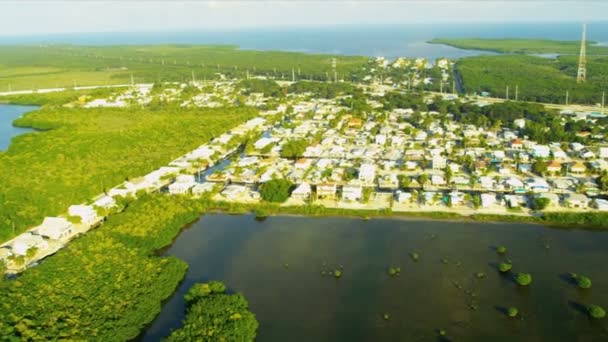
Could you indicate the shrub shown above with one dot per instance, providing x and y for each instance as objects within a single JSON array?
[
  {"x": 582, "y": 281},
  {"x": 504, "y": 267},
  {"x": 276, "y": 190},
  {"x": 523, "y": 279},
  {"x": 512, "y": 312},
  {"x": 501, "y": 249},
  {"x": 596, "y": 311},
  {"x": 337, "y": 273},
  {"x": 394, "y": 271}
]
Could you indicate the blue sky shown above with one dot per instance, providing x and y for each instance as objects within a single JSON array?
[{"x": 47, "y": 17}]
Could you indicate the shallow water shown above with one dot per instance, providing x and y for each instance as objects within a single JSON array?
[
  {"x": 8, "y": 114},
  {"x": 295, "y": 302}
]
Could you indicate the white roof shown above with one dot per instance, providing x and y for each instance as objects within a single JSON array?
[{"x": 302, "y": 189}]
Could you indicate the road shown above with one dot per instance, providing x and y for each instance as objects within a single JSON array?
[{"x": 54, "y": 90}]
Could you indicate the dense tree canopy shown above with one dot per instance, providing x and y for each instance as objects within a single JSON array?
[
  {"x": 214, "y": 315},
  {"x": 276, "y": 190}
]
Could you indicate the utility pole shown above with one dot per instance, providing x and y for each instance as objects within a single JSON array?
[
  {"x": 603, "y": 101},
  {"x": 441, "y": 87},
  {"x": 293, "y": 75},
  {"x": 132, "y": 80},
  {"x": 193, "y": 79},
  {"x": 516, "y": 92},
  {"x": 453, "y": 87},
  {"x": 567, "y": 94},
  {"x": 507, "y": 95}
]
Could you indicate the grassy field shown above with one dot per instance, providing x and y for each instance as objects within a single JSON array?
[
  {"x": 38, "y": 67},
  {"x": 82, "y": 152},
  {"x": 538, "y": 79},
  {"x": 523, "y": 46}
]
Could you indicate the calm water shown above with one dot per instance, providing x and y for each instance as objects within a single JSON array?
[
  {"x": 296, "y": 303},
  {"x": 8, "y": 114},
  {"x": 378, "y": 40}
]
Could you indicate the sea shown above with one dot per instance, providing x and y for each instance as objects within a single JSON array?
[{"x": 367, "y": 40}]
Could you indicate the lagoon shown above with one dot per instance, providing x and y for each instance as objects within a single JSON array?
[
  {"x": 8, "y": 114},
  {"x": 277, "y": 263}
]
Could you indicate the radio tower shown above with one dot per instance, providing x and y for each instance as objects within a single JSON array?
[{"x": 581, "y": 76}]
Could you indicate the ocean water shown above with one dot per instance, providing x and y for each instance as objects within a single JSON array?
[{"x": 377, "y": 40}]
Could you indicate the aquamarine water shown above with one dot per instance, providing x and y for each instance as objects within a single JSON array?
[{"x": 369, "y": 40}]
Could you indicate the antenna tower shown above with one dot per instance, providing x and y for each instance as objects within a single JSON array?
[{"x": 581, "y": 76}]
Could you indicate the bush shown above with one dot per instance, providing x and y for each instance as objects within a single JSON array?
[
  {"x": 501, "y": 249},
  {"x": 540, "y": 203},
  {"x": 582, "y": 281},
  {"x": 276, "y": 190},
  {"x": 512, "y": 312},
  {"x": 523, "y": 279},
  {"x": 394, "y": 271},
  {"x": 214, "y": 315},
  {"x": 504, "y": 267},
  {"x": 596, "y": 311}
]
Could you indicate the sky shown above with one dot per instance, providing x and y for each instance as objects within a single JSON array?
[{"x": 49, "y": 17}]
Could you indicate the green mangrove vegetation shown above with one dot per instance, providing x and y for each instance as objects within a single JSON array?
[
  {"x": 596, "y": 311},
  {"x": 51, "y": 66},
  {"x": 107, "y": 285},
  {"x": 537, "y": 79},
  {"x": 214, "y": 315},
  {"x": 523, "y": 279},
  {"x": 522, "y": 46},
  {"x": 582, "y": 281},
  {"x": 83, "y": 153}
]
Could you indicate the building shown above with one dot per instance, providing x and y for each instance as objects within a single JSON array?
[
  {"x": 577, "y": 201},
  {"x": 87, "y": 213},
  {"x": 54, "y": 228},
  {"x": 234, "y": 191},
  {"x": 367, "y": 173},
  {"x": 578, "y": 167},
  {"x": 182, "y": 185},
  {"x": 554, "y": 167},
  {"x": 439, "y": 163},
  {"x": 105, "y": 202},
  {"x": 200, "y": 189},
  {"x": 352, "y": 192},
  {"x": 600, "y": 204},
  {"x": 27, "y": 241},
  {"x": 326, "y": 191},
  {"x": 302, "y": 192},
  {"x": 488, "y": 200},
  {"x": 402, "y": 196}
]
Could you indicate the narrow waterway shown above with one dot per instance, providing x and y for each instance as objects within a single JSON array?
[
  {"x": 277, "y": 263},
  {"x": 8, "y": 114}
]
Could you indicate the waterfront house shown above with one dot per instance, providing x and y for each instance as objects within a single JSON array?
[
  {"x": 600, "y": 204},
  {"x": 456, "y": 198},
  {"x": 54, "y": 228},
  {"x": 326, "y": 191},
  {"x": 182, "y": 184},
  {"x": 302, "y": 192},
  {"x": 200, "y": 189},
  {"x": 402, "y": 196},
  {"x": 234, "y": 191},
  {"x": 352, "y": 192},
  {"x": 26, "y": 241},
  {"x": 488, "y": 200},
  {"x": 105, "y": 202},
  {"x": 87, "y": 213},
  {"x": 576, "y": 201},
  {"x": 438, "y": 180}
]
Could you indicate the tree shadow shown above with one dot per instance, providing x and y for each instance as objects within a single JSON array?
[
  {"x": 578, "y": 307},
  {"x": 502, "y": 309},
  {"x": 567, "y": 278}
]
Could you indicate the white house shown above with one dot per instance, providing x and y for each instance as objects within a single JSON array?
[
  {"x": 603, "y": 152},
  {"x": 352, "y": 192},
  {"x": 54, "y": 228},
  {"x": 439, "y": 163},
  {"x": 234, "y": 191},
  {"x": 326, "y": 191},
  {"x": 402, "y": 196},
  {"x": 105, "y": 202},
  {"x": 601, "y": 204},
  {"x": 87, "y": 213},
  {"x": 437, "y": 180},
  {"x": 577, "y": 201},
  {"x": 302, "y": 192},
  {"x": 488, "y": 200},
  {"x": 541, "y": 151},
  {"x": 456, "y": 197},
  {"x": 367, "y": 173},
  {"x": 25, "y": 241},
  {"x": 182, "y": 184},
  {"x": 200, "y": 189}
]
